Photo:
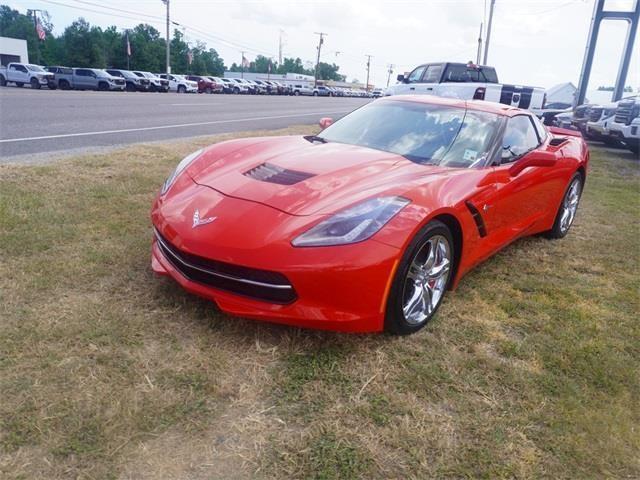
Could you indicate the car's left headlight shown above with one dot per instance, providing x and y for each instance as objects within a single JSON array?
[
  {"x": 354, "y": 224},
  {"x": 184, "y": 163}
]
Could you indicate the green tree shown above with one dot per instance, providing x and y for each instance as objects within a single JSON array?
[
  {"x": 329, "y": 72},
  {"x": 83, "y": 45},
  {"x": 292, "y": 65},
  {"x": 148, "y": 49}
]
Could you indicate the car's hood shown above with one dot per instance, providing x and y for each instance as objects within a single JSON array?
[{"x": 302, "y": 178}]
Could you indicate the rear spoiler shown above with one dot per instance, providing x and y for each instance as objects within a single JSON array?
[{"x": 565, "y": 132}]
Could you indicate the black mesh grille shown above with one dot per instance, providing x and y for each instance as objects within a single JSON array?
[
  {"x": 267, "y": 172},
  {"x": 624, "y": 112},
  {"x": 259, "y": 284}
]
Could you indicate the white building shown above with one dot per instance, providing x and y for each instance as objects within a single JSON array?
[
  {"x": 13, "y": 50},
  {"x": 561, "y": 93}
]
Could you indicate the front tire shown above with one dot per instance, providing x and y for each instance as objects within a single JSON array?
[
  {"x": 568, "y": 208},
  {"x": 421, "y": 280},
  {"x": 35, "y": 84},
  {"x": 182, "y": 89}
]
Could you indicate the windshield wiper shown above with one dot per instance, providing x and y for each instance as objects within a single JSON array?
[{"x": 315, "y": 138}]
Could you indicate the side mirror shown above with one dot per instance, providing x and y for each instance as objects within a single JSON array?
[
  {"x": 325, "y": 122},
  {"x": 401, "y": 78},
  {"x": 533, "y": 159}
]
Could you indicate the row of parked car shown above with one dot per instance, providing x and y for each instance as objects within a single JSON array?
[
  {"x": 66, "y": 78},
  {"x": 615, "y": 124}
]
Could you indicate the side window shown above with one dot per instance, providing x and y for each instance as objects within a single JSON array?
[
  {"x": 416, "y": 75},
  {"x": 540, "y": 128},
  {"x": 432, "y": 75},
  {"x": 519, "y": 137}
]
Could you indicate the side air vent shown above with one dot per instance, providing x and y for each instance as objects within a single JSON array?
[
  {"x": 482, "y": 229},
  {"x": 267, "y": 172},
  {"x": 557, "y": 141}
]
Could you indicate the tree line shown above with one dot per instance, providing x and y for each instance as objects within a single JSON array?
[{"x": 84, "y": 45}]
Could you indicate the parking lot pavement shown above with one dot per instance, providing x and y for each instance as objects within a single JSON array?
[{"x": 44, "y": 121}]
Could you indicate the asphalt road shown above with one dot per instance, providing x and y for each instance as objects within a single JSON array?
[{"x": 34, "y": 123}]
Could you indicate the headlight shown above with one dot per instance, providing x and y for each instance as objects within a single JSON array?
[
  {"x": 353, "y": 224},
  {"x": 184, "y": 163}
]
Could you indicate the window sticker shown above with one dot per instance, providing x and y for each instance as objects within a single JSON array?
[{"x": 469, "y": 155}]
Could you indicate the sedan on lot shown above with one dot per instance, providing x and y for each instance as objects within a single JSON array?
[{"x": 365, "y": 226}]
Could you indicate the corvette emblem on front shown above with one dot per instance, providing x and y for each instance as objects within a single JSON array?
[{"x": 197, "y": 221}]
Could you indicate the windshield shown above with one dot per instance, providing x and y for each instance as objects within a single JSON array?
[
  {"x": 36, "y": 68},
  {"x": 101, "y": 73},
  {"x": 422, "y": 133}
]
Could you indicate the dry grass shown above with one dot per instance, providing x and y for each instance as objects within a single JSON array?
[{"x": 529, "y": 370}]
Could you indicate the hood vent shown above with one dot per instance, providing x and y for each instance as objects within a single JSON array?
[{"x": 267, "y": 172}]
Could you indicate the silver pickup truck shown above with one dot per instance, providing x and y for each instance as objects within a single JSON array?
[
  {"x": 95, "y": 79},
  {"x": 467, "y": 82},
  {"x": 26, "y": 74}
]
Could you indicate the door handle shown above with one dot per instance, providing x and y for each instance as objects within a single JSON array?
[
  {"x": 429, "y": 88},
  {"x": 412, "y": 88}
]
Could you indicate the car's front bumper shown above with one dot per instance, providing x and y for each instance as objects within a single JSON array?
[{"x": 342, "y": 288}]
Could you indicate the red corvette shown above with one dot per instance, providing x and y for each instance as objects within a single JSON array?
[{"x": 364, "y": 227}]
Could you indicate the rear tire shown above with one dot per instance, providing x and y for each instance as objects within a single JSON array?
[
  {"x": 3, "y": 81},
  {"x": 568, "y": 208},
  {"x": 182, "y": 89},
  {"x": 35, "y": 84},
  {"x": 64, "y": 85},
  {"x": 421, "y": 280},
  {"x": 296, "y": 93}
]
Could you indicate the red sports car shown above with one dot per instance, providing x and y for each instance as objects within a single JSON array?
[{"x": 364, "y": 227}]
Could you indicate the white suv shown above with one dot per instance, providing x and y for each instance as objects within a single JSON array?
[
  {"x": 301, "y": 89},
  {"x": 178, "y": 83}
]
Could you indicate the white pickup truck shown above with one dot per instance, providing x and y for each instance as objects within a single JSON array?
[
  {"x": 466, "y": 81},
  {"x": 25, "y": 73},
  {"x": 626, "y": 124}
]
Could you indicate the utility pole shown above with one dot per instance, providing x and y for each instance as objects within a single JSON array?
[
  {"x": 320, "y": 42},
  {"x": 280, "y": 48},
  {"x": 368, "y": 68},
  {"x": 479, "y": 45},
  {"x": 390, "y": 71},
  {"x": 166, "y": 2},
  {"x": 486, "y": 42}
]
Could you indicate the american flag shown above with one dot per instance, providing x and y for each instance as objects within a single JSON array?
[
  {"x": 39, "y": 30},
  {"x": 190, "y": 57},
  {"x": 128, "y": 46},
  {"x": 245, "y": 62}
]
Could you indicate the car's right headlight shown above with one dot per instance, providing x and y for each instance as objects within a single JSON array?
[
  {"x": 184, "y": 163},
  {"x": 354, "y": 224}
]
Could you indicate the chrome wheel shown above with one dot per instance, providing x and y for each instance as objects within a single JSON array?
[
  {"x": 570, "y": 205},
  {"x": 426, "y": 280}
]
